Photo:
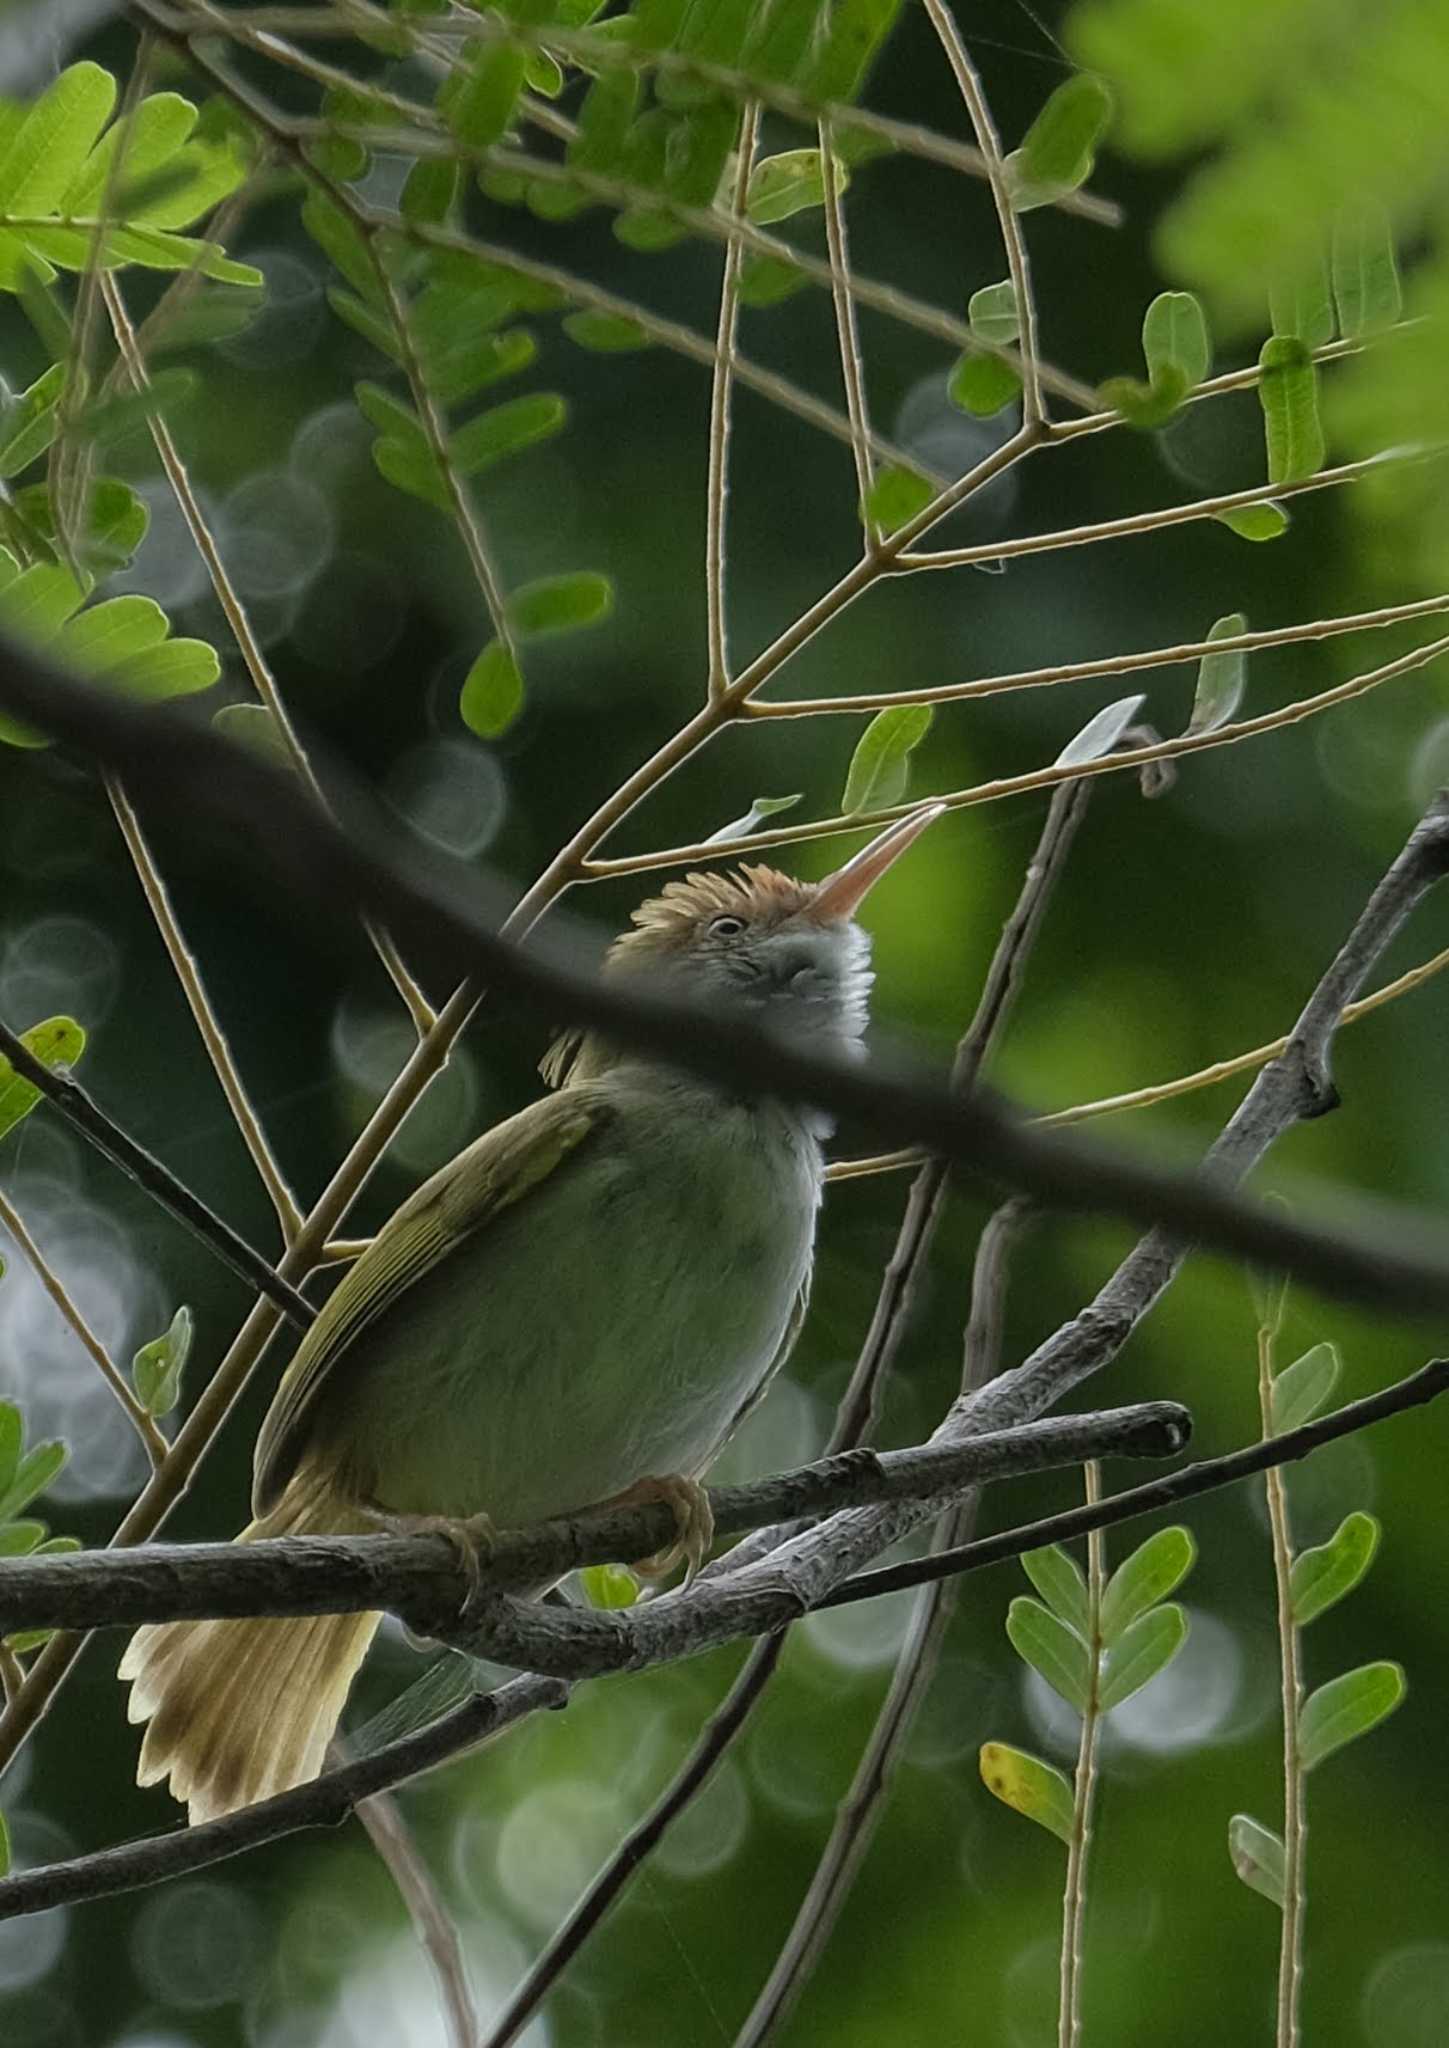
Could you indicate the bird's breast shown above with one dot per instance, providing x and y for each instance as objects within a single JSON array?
[{"x": 611, "y": 1326}]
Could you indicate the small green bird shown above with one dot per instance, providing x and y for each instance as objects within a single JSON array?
[{"x": 580, "y": 1307}]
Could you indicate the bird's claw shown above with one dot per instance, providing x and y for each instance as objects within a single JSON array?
[
  {"x": 694, "y": 1521},
  {"x": 471, "y": 1536}
]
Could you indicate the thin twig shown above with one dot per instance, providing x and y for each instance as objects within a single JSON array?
[
  {"x": 852, "y": 364},
  {"x": 437, "y": 1936},
  {"x": 73, "y": 1103},
  {"x": 1295, "y": 1826},
  {"x": 229, "y": 598},
  {"x": 213, "y": 1037},
  {"x": 720, "y": 414},
  {"x": 1038, "y": 778},
  {"x": 1105, "y": 665},
  {"x": 1074, "y": 1898},
  {"x": 1008, "y": 219},
  {"x": 145, "y": 1425}
]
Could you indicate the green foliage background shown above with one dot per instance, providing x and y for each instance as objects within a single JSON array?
[{"x": 1187, "y": 929}]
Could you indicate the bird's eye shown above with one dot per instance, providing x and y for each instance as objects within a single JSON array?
[{"x": 726, "y": 927}]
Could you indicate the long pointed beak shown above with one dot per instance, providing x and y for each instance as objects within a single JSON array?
[{"x": 842, "y": 893}]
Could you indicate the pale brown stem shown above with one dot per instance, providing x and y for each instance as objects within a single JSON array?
[
  {"x": 1295, "y": 1824},
  {"x": 720, "y": 415},
  {"x": 852, "y": 364},
  {"x": 1074, "y": 1901}
]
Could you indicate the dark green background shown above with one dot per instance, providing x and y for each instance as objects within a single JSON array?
[{"x": 1186, "y": 930}]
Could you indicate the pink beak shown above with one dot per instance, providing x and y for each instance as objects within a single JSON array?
[{"x": 842, "y": 893}]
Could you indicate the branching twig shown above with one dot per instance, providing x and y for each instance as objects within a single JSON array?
[
  {"x": 144, "y": 1424},
  {"x": 158, "y": 1181}
]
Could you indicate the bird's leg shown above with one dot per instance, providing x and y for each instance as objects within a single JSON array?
[
  {"x": 694, "y": 1520},
  {"x": 472, "y": 1538}
]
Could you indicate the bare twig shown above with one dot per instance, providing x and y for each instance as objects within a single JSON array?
[
  {"x": 437, "y": 1936},
  {"x": 141, "y": 1166},
  {"x": 1084, "y": 1783},
  {"x": 1295, "y": 1825},
  {"x": 422, "y": 1577},
  {"x": 145, "y": 1425},
  {"x": 720, "y": 415},
  {"x": 852, "y": 364}
]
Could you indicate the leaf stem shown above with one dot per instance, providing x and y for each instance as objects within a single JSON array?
[
  {"x": 1295, "y": 1825},
  {"x": 1074, "y": 1900},
  {"x": 720, "y": 411}
]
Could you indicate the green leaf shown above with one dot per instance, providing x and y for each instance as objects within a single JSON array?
[
  {"x": 1146, "y": 405},
  {"x": 37, "y": 603},
  {"x": 993, "y": 314},
  {"x": 1301, "y": 1389},
  {"x": 18, "y": 1539},
  {"x": 1060, "y": 147},
  {"x": 1221, "y": 678},
  {"x": 1265, "y": 521},
  {"x": 1346, "y": 1708},
  {"x": 53, "y": 141},
  {"x": 12, "y": 1438},
  {"x": 58, "y": 1042},
  {"x": 609, "y": 1585},
  {"x": 1100, "y": 734},
  {"x": 896, "y": 496},
  {"x": 1323, "y": 1576},
  {"x": 506, "y": 430},
  {"x": 1058, "y": 1578},
  {"x": 1028, "y": 1786},
  {"x": 1257, "y": 1855},
  {"x": 1288, "y": 393},
  {"x": 28, "y": 423},
  {"x": 254, "y": 726},
  {"x": 111, "y": 419},
  {"x": 561, "y": 604},
  {"x": 1175, "y": 338},
  {"x": 857, "y": 28},
  {"x": 880, "y": 766},
  {"x": 1304, "y": 308},
  {"x": 1155, "y": 1569},
  {"x": 789, "y": 183},
  {"x": 1366, "y": 285},
  {"x": 342, "y": 244},
  {"x": 492, "y": 694},
  {"x": 763, "y": 807},
  {"x": 35, "y": 1472},
  {"x": 982, "y": 385},
  {"x": 157, "y": 1367},
  {"x": 104, "y": 634},
  {"x": 479, "y": 99},
  {"x": 474, "y": 361},
  {"x": 1052, "y": 1649},
  {"x": 177, "y": 668},
  {"x": 429, "y": 190},
  {"x": 766, "y": 280},
  {"x": 605, "y": 333},
  {"x": 1141, "y": 1651}
]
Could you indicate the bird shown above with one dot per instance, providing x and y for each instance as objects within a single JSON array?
[{"x": 579, "y": 1308}]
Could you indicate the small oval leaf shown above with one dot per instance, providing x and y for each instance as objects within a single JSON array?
[
  {"x": 1100, "y": 734},
  {"x": 1221, "y": 678},
  {"x": 561, "y": 604},
  {"x": 1028, "y": 1786},
  {"x": 1140, "y": 1652},
  {"x": 1052, "y": 1649},
  {"x": 880, "y": 766},
  {"x": 896, "y": 496},
  {"x": 982, "y": 385},
  {"x": 763, "y": 807},
  {"x": 1155, "y": 1569},
  {"x": 1257, "y": 1855},
  {"x": 789, "y": 183},
  {"x": 609, "y": 1585},
  {"x": 1321, "y": 1577},
  {"x": 1304, "y": 308},
  {"x": 1265, "y": 521},
  {"x": 157, "y": 1367},
  {"x": 58, "y": 1042},
  {"x": 1346, "y": 1708},
  {"x": 1175, "y": 337},
  {"x": 1059, "y": 148},
  {"x": 1288, "y": 393},
  {"x": 1058, "y": 1578},
  {"x": 492, "y": 694},
  {"x": 1366, "y": 285},
  {"x": 993, "y": 314},
  {"x": 1301, "y": 1389}
]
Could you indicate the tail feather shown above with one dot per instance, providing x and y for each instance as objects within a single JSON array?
[{"x": 238, "y": 1710}]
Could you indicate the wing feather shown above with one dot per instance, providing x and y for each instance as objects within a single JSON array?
[{"x": 461, "y": 1199}]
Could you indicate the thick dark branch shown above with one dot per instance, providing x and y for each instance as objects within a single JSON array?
[
  {"x": 422, "y": 1579},
  {"x": 158, "y": 1181},
  {"x": 287, "y": 838},
  {"x": 1207, "y": 1476}
]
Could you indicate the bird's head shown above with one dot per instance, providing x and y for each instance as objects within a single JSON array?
[{"x": 788, "y": 953}]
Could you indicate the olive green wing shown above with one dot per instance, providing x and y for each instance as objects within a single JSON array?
[
  {"x": 461, "y": 1199},
  {"x": 762, "y": 1387}
]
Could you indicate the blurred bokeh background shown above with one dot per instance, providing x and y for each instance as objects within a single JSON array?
[{"x": 1186, "y": 929}]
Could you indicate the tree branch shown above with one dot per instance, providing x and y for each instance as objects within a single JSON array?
[{"x": 422, "y": 1578}]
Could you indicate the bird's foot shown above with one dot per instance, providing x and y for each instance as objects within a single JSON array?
[
  {"x": 472, "y": 1538},
  {"x": 694, "y": 1520}
]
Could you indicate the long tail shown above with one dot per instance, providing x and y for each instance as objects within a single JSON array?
[{"x": 239, "y": 1710}]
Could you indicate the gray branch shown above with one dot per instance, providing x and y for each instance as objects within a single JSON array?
[
  {"x": 375, "y": 873},
  {"x": 422, "y": 1578}
]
